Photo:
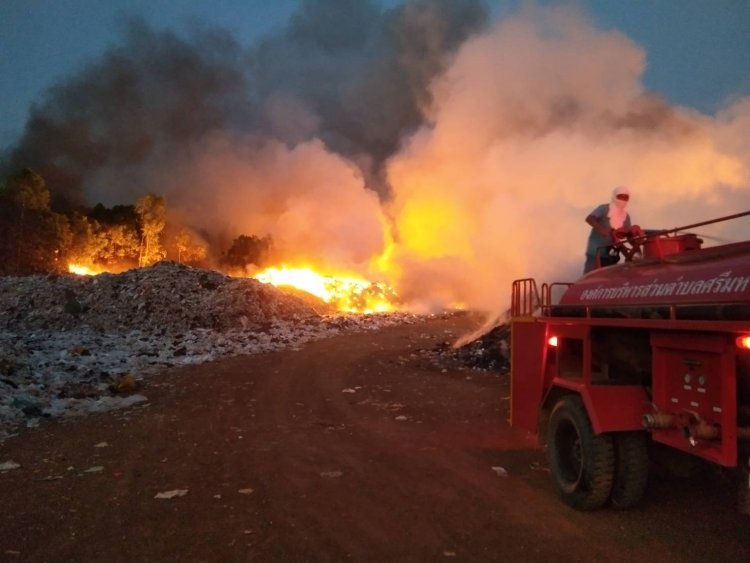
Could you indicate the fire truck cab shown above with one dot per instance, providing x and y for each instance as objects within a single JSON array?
[{"x": 654, "y": 349}]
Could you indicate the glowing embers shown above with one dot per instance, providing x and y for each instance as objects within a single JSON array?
[
  {"x": 81, "y": 270},
  {"x": 345, "y": 292}
]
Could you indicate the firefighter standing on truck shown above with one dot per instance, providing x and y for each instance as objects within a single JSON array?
[{"x": 605, "y": 220}]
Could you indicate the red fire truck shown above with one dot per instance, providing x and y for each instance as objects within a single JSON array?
[{"x": 655, "y": 349}]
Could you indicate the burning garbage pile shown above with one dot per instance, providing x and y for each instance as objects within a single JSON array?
[
  {"x": 161, "y": 298},
  {"x": 73, "y": 344},
  {"x": 342, "y": 293}
]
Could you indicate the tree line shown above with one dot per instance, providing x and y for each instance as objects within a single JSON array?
[{"x": 35, "y": 239}]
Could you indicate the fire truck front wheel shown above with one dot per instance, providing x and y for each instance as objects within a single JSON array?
[{"x": 581, "y": 463}]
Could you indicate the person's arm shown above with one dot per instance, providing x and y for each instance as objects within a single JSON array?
[{"x": 597, "y": 225}]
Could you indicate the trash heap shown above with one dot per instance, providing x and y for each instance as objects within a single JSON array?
[
  {"x": 72, "y": 345},
  {"x": 166, "y": 297}
]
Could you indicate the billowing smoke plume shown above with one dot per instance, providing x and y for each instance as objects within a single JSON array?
[
  {"x": 343, "y": 72},
  {"x": 99, "y": 136},
  {"x": 532, "y": 126},
  {"x": 424, "y": 145}
]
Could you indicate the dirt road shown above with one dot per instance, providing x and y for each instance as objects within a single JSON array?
[{"x": 354, "y": 448}]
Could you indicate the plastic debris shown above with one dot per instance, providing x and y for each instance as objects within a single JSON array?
[
  {"x": 8, "y": 465},
  {"x": 501, "y": 472},
  {"x": 172, "y": 494}
]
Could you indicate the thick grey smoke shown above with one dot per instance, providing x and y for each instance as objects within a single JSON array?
[
  {"x": 345, "y": 72},
  {"x": 145, "y": 101}
]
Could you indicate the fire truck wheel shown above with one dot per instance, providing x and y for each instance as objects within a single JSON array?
[
  {"x": 582, "y": 463},
  {"x": 631, "y": 469}
]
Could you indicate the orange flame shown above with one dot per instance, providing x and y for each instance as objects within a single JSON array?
[
  {"x": 348, "y": 293},
  {"x": 81, "y": 270}
]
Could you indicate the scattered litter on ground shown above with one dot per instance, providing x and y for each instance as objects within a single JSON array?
[
  {"x": 172, "y": 494},
  {"x": 501, "y": 471}
]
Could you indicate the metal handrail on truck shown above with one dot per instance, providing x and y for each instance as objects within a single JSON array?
[{"x": 527, "y": 299}]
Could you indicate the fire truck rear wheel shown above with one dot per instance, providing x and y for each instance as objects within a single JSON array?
[
  {"x": 631, "y": 469},
  {"x": 581, "y": 463}
]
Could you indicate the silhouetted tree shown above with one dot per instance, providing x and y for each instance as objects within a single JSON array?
[
  {"x": 152, "y": 213},
  {"x": 248, "y": 250},
  {"x": 28, "y": 191},
  {"x": 115, "y": 245},
  {"x": 116, "y": 215},
  {"x": 32, "y": 236},
  {"x": 190, "y": 249},
  {"x": 114, "y": 236},
  {"x": 81, "y": 247}
]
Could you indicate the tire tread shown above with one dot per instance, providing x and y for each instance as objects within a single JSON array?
[
  {"x": 593, "y": 488},
  {"x": 631, "y": 469}
]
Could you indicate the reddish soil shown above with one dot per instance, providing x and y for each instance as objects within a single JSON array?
[{"x": 281, "y": 461}]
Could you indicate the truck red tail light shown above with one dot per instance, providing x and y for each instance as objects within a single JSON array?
[
  {"x": 552, "y": 341},
  {"x": 743, "y": 342}
]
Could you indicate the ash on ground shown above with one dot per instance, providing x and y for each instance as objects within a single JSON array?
[{"x": 72, "y": 345}]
